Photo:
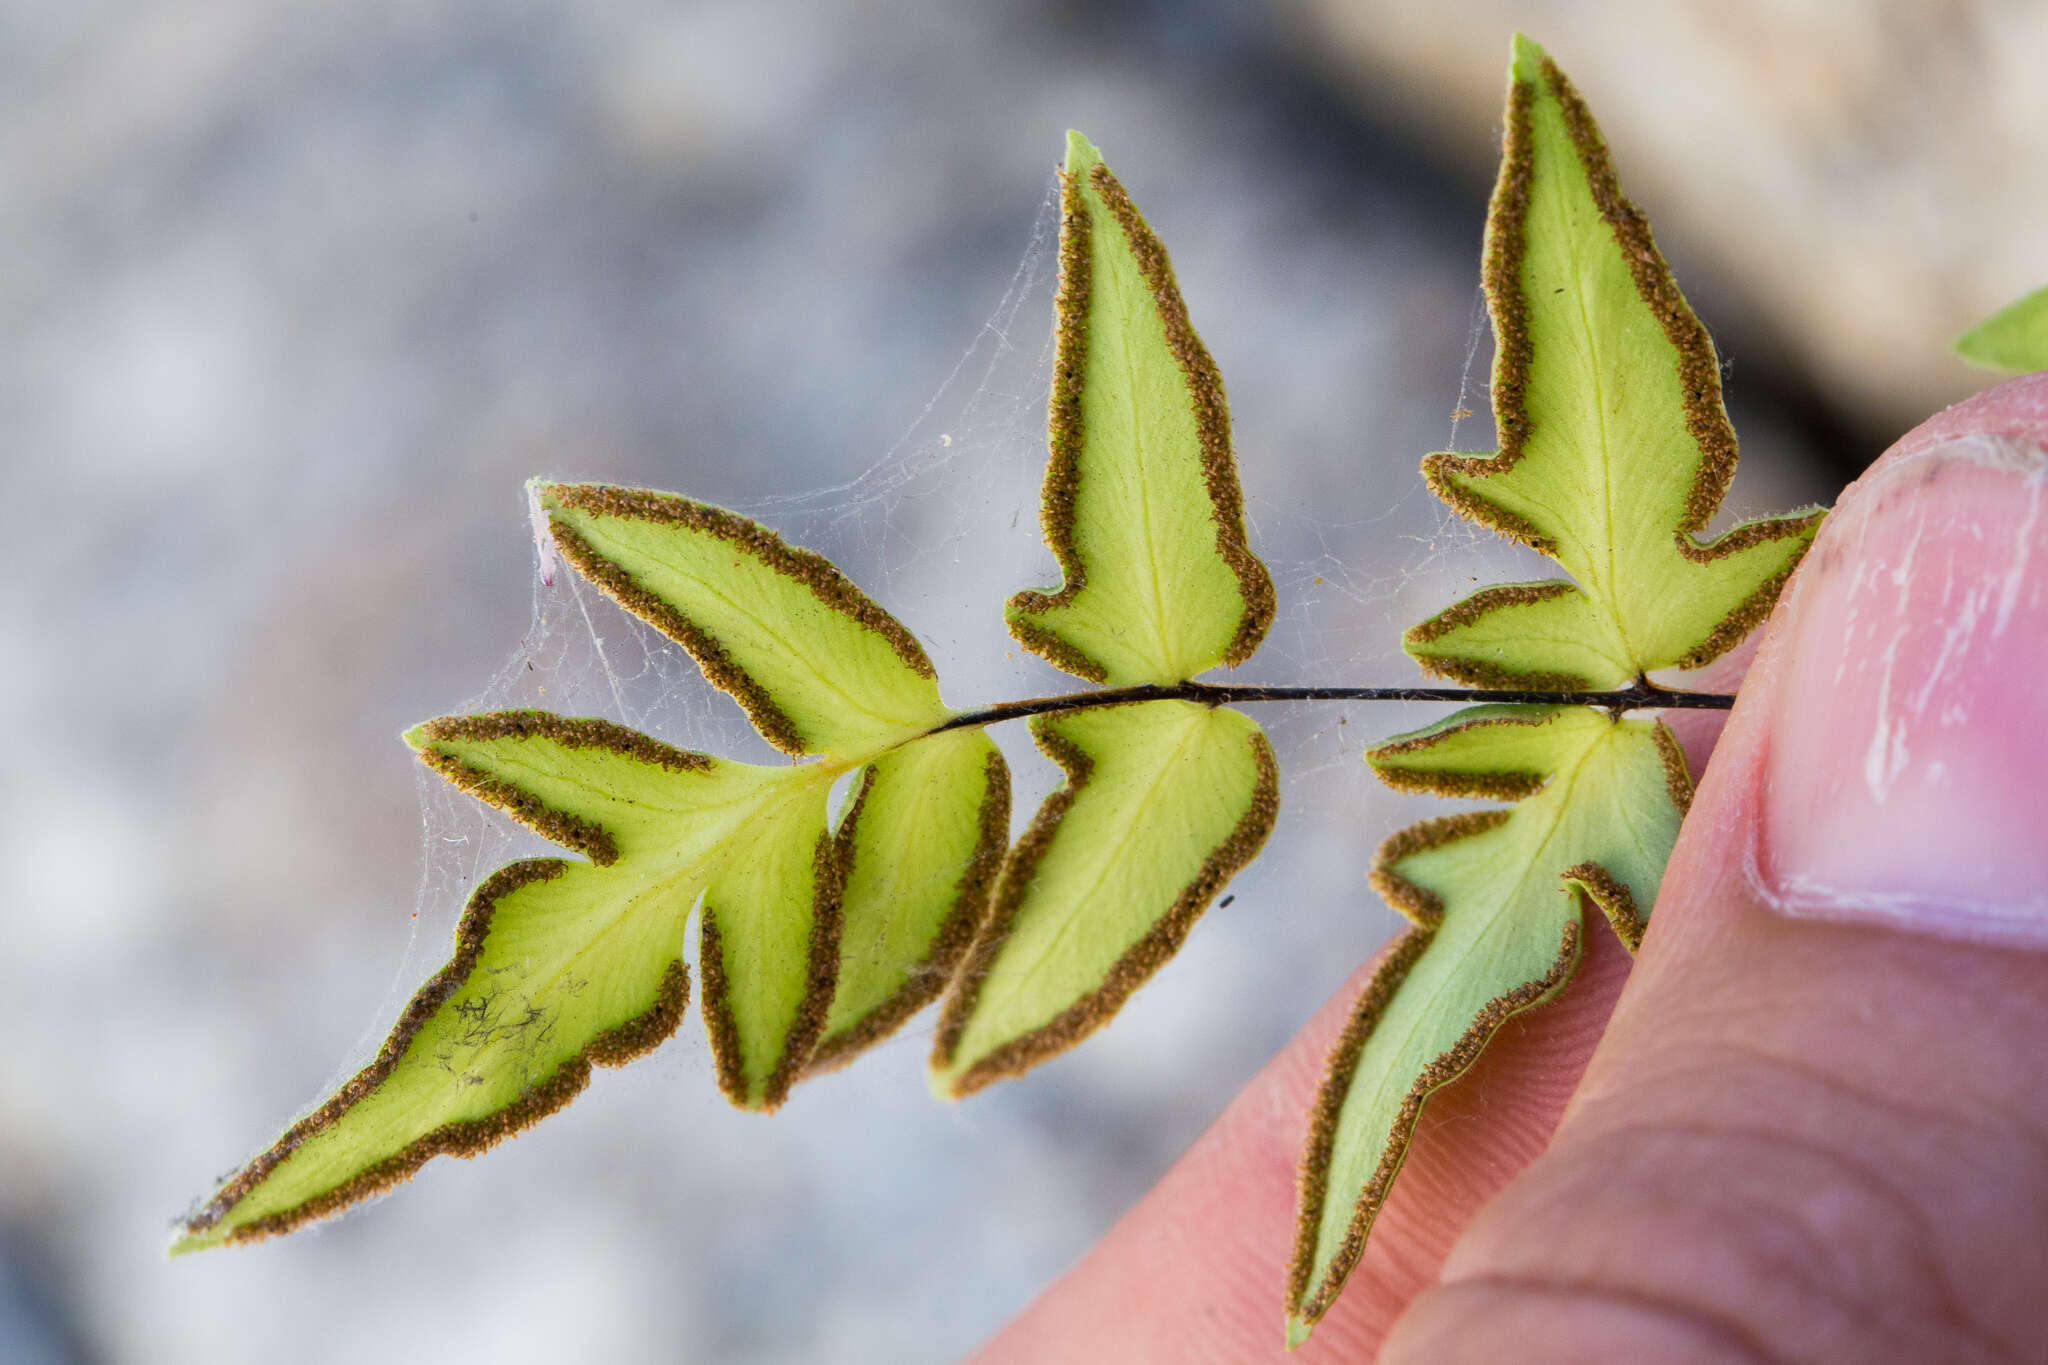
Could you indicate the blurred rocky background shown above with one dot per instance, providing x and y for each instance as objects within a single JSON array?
[
  {"x": 293, "y": 299},
  {"x": 1868, "y": 176}
]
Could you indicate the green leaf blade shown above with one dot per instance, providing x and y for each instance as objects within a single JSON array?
[
  {"x": 927, "y": 830},
  {"x": 1164, "y": 802},
  {"x": 751, "y": 841},
  {"x": 1440, "y": 999},
  {"x": 586, "y": 783},
  {"x": 500, "y": 1037},
  {"x": 559, "y": 966},
  {"x": 1494, "y": 896},
  {"x": 1495, "y": 753},
  {"x": 1546, "y": 635},
  {"x": 1690, "y": 619},
  {"x": 814, "y": 663},
  {"x": 768, "y": 944},
  {"x": 1141, "y": 504},
  {"x": 2013, "y": 340},
  {"x": 1616, "y": 451}
]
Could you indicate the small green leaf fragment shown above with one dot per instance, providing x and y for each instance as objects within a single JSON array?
[
  {"x": 1615, "y": 451},
  {"x": 2013, "y": 340},
  {"x": 1141, "y": 505},
  {"x": 815, "y": 664},
  {"x": 1164, "y": 802},
  {"x": 927, "y": 833},
  {"x": 1494, "y": 895}
]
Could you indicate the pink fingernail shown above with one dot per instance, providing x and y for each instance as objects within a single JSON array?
[{"x": 1907, "y": 776}]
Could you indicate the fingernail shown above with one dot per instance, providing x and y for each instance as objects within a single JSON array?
[{"x": 1906, "y": 782}]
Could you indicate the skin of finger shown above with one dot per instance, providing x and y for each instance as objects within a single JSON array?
[
  {"x": 1797, "y": 1140},
  {"x": 1197, "y": 1271}
]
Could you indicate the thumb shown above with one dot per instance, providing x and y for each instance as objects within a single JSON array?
[{"x": 1817, "y": 1127}]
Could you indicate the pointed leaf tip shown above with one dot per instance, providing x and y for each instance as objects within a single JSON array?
[
  {"x": 816, "y": 665},
  {"x": 502, "y": 1036},
  {"x": 1525, "y": 58},
  {"x": 1081, "y": 153},
  {"x": 1615, "y": 449},
  {"x": 1141, "y": 504}
]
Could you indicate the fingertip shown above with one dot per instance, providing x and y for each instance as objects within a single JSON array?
[{"x": 1817, "y": 1115}]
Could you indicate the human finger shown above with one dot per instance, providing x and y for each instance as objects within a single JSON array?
[{"x": 1817, "y": 1128}]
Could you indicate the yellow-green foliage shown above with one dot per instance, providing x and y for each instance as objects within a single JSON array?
[
  {"x": 1615, "y": 454},
  {"x": 820, "y": 935},
  {"x": 1141, "y": 504},
  {"x": 2013, "y": 340},
  {"x": 818, "y": 940}
]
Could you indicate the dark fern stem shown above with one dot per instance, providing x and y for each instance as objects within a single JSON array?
[{"x": 1639, "y": 695}]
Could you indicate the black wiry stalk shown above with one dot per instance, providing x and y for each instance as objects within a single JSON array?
[{"x": 1638, "y": 695}]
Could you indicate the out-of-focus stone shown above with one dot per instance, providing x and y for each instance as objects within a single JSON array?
[{"x": 1870, "y": 174}]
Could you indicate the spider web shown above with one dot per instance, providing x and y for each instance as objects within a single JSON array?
[{"x": 940, "y": 531}]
